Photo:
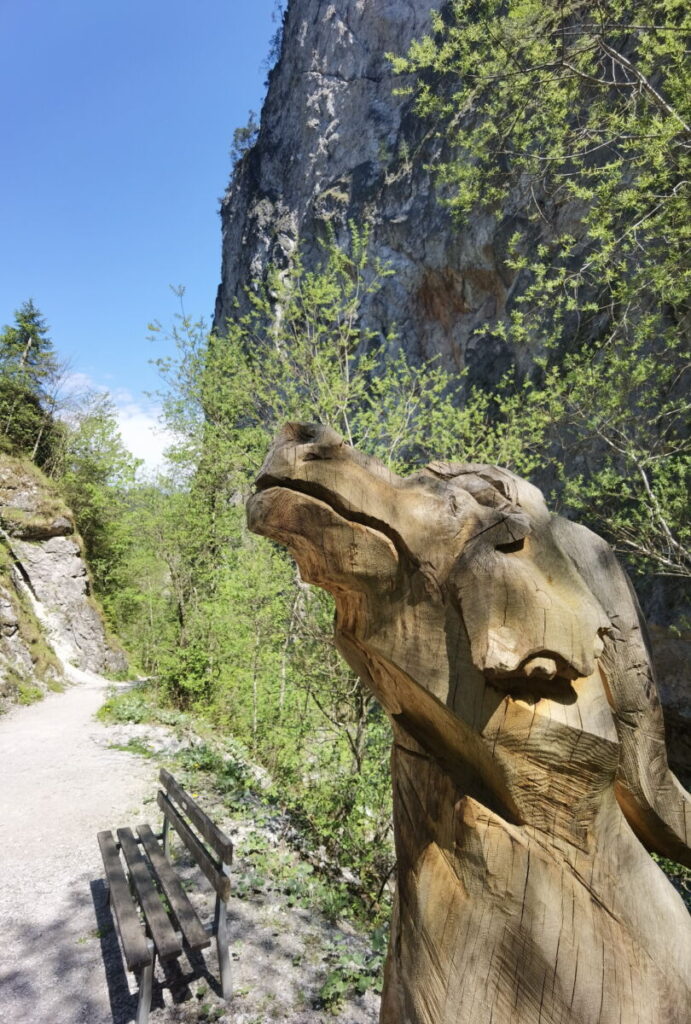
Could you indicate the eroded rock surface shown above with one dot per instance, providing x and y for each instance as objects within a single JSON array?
[
  {"x": 48, "y": 616},
  {"x": 336, "y": 144}
]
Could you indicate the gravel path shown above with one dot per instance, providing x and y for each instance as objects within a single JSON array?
[
  {"x": 61, "y": 963},
  {"x": 60, "y": 785}
]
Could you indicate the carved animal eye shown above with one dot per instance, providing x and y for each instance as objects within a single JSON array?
[{"x": 514, "y": 545}]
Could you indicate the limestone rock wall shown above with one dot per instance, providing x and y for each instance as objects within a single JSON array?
[
  {"x": 49, "y": 621},
  {"x": 337, "y": 144}
]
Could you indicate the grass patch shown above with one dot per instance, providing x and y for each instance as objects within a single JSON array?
[
  {"x": 19, "y": 689},
  {"x": 29, "y": 693},
  {"x": 353, "y": 972},
  {"x": 135, "y": 706},
  {"x": 27, "y": 525},
  {"x": 133, "y": 746},
  {"x": 139, "y": 704}
]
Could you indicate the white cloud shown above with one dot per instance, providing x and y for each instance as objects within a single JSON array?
[
  {"x": 138, "y": 418},
  {"x": 142, "y": 431},
  {"x": 77, "y": 383}
]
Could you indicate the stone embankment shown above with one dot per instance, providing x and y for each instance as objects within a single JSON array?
[{"x": 50, "y": 623}]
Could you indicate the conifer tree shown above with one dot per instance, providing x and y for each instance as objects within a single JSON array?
[{"x": 29, "y": 374}]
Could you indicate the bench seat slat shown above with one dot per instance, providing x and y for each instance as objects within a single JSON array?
[
  {"x": 216, "y": 838},
  {"x": 192, "y": 928},
  {"x": 219, "y": 881},
  {"x": 164, "y": 937},
  {"x": 132, "y": 937}
]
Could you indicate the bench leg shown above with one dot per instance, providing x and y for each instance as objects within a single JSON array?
[
  {"x": 221, "y": 930},
  {"x": 145, "y": 987}
]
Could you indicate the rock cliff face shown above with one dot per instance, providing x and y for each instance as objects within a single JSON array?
[
  {"x": 49, "y": 622},
  {"x": 337, "y": 144}
]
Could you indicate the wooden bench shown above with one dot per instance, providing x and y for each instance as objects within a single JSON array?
[{"x": 147, "y": 928}]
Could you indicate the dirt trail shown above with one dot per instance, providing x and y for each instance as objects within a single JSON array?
[
  {"x": 61, "y": 963},
  {"x": 60, "y": 784}
]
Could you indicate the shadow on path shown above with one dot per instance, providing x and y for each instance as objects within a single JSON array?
[{"x": 170, "y": 975}]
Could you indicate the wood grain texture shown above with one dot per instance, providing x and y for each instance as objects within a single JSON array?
[
  {"x": 529, "y": 763},
  {"x": 214, "y": 836},
  {"x": 131, "y": 931},
  {"x": 164, "y": 938},
  {"x": 217, "y": 878},
  {"x": 185, "y": 914}
]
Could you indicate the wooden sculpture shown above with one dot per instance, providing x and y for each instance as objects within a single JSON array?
[{"x": 529, "y": 763}]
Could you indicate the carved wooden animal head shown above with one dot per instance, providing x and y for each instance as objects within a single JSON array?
[{"x": 455, "y": 587}]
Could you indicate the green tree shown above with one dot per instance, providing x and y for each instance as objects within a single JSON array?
[
  {"x": 29, "y": 380},
  {"x": 96, "y": 472},
  {"x": 577, "y": 113}
]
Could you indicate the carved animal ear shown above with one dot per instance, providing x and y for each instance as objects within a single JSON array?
[{"x": 528, "y": 612}]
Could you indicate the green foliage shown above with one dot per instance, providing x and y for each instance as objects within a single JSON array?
[
  {"x": 29, "y": 379},
  {"x": 252, "y": 648},
  {"x": 278, "y": 16},
  {"x": 578, "y": 115},
  {"x": 95, "y": 472},
  {"x": 244, "y": 137},
  {"x": 636, "y": 488},
  {"x": 28, "y": 693},
  {"x": 679, "y": 876},
  {"x": 134, "y": 705},
  {"x": 353, "y": 972}
]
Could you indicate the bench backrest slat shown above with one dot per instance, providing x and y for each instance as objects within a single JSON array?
[
  {"x": 217, "y": 839},
  {"x": 218, "y": 879}
]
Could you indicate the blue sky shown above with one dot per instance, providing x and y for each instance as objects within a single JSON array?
[{"x": 117, "y": 121}]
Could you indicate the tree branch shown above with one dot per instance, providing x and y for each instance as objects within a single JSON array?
[{"x": 643, "y": 82}]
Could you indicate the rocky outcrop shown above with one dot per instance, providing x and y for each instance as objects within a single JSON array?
[
  {"x": 338, "y": 144},
  {"x": 49, "y": 620},
  {"x": 15, "y": 651}
]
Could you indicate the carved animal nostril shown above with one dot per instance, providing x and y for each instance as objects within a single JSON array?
[{"x": 514, "y": 545}]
